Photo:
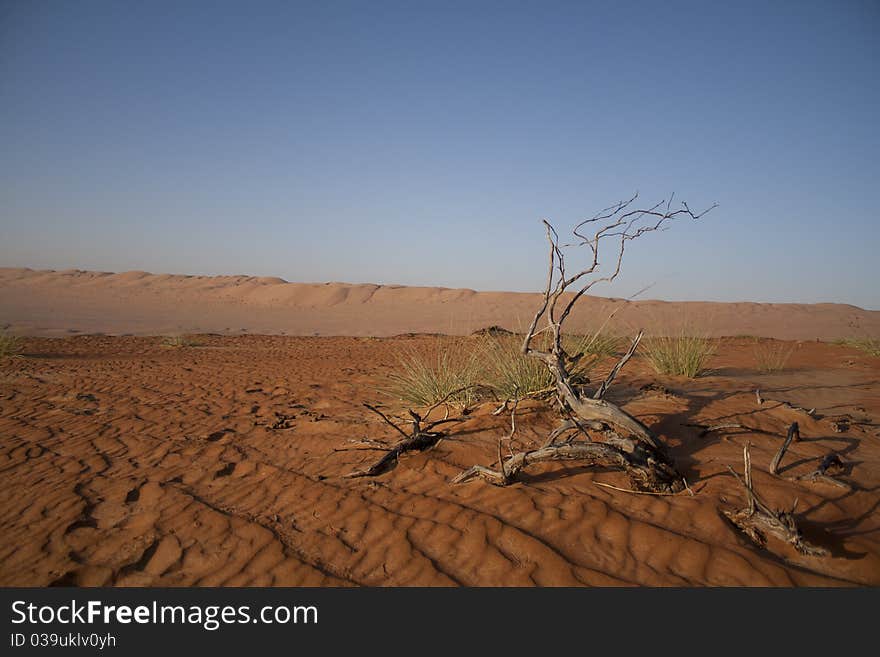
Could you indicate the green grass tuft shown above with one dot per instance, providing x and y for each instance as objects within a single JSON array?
[
  {"x": 510, "y": 373},
  {"x": 868, "y": 345},
  {"x": 424, "y": 377},
  {"x": 598, "y": 345},
  {"x": 679, "y": 355}
]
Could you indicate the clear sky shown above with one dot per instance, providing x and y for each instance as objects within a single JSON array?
[{"x": 421, "y": 143}]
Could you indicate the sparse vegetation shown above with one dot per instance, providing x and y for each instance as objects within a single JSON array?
[
  {"x": 510, "y": 373},
  {"x": 772, "y": 355},
  {"x": 598, "y": 345},
  {"x": 179, "y": 341},
  {"x": 679, "y": 355},
  {"x": 868, "y": 345},
  {"x": 10, "y": 345},
  {"x": 423, "y": 379}
]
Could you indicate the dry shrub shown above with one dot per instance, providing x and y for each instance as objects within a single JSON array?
[{"x": 772, "y": 355}]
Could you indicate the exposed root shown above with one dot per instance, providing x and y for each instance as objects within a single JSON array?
[{"x": 757, "y": 518}]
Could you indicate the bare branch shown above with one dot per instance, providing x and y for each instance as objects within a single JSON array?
[
  {"x": 794, "y": 434},
  {"x": 387, "y": 421},
  {"x": 600, "y": 393}
]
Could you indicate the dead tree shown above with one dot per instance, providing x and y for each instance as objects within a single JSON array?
[
  {"x": 609, "y": 435},
  {"x": 758, "y": 518}
]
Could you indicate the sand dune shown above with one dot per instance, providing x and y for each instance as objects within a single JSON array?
[
  {"x": 56, "y": 303},
  {"x": 126, "y": 463}
]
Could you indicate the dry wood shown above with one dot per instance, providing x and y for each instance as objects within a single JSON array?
[
  {"x": 644, "y": 472},
  {"x": 419, "y": 439},
  {"x": 794, "y": 407},
  {"x": 831, "y": 462},
  {"x": 794, "y": 434},
  {"x": 709, "y": 428},
  {"x": 757, "y": 518},
  {"x": 602, "y": 389}
]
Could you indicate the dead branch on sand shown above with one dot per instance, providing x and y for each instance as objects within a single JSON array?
[
  {"x": 421, "y": 437},
  {"x": 794, "y": 434},
  {"x": 620, "y": 440},
  {"x": 831, "y": 462},
  {"x": 787, "y": 404},
  {"x": 757, "y": 518}
]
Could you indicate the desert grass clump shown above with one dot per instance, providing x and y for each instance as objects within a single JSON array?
[
  {"x": 509, "y": 372},
  {"x": 772, "y": 355},
  {"x": 679, "y": 355},
  {"x": 597, "y": 345},
  {"x": 450, "y": 369},
  {"x": 179, "y": 341},
  {"x": 10, "y": 345},
  {"x": 868, "y": 345}
]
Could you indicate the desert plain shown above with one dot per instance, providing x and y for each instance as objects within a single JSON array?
[{"x": 129, "y": 460}]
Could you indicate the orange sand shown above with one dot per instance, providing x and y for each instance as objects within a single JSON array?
[{"x": 127, "y": 463}]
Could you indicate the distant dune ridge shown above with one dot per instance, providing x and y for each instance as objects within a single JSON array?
[{"x": 56, "y": 303}]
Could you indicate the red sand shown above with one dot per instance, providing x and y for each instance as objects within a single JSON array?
[{"x": 128, "y": 463}]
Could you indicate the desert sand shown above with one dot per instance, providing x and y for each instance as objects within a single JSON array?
[
  {"x": 126, "y": 462},
  {"x": 53, "y": 303}
]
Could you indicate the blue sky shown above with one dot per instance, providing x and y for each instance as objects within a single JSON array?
[{"x": 421, "y": 143}]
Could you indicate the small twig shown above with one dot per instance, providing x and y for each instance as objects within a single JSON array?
[
  {"x": 447, "y": 397},
  {"x": 389, "y": 422},
  {"x": 502, "y": 408},
  {"x": 686, "y": 487}
]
